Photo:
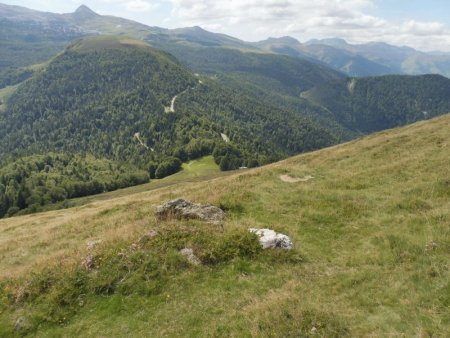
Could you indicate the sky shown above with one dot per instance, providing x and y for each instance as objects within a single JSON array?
[{"x": 421, "y": 24}]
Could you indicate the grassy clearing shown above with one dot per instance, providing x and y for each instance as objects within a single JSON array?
[
  {"x": 372, "y": 236},
  {"x": 197, "y": 170},
  {"x": 5, "y": 93},
  {"x": 107, "y": 41}
]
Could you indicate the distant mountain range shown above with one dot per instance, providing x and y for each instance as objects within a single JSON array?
[{"x": 26, "y": 32}]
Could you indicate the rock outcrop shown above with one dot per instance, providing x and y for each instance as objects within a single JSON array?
[
  {"x": 182, "y": 209},
  {"x": 271, "y": 239}
]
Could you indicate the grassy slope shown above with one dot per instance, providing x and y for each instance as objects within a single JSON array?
[
  {"x": 196, "y": 170},
  {"x": 5, "y": 93},
  {"x": 29, "y": 239},
  {"x": 107, "y": 42},
  {"x": 372, "y": 228}
]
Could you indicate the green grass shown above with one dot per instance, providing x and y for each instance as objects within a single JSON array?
[
  {"x": 371, "y": 259},
  {"x": 197, "y": 170},
  {"x": 107, "y": 41},
  {"x": 5, "y": 93},
  {"x": 203, "y": 167}
]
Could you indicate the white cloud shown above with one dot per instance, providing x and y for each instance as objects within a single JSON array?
[
  {"x": 134, "y": 5},
  {"x": 140, "y": 6},
  {"x": 424, "y": 28},
  {"x": 306, "y": 19}
]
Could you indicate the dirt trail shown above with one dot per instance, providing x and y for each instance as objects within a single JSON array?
[
  {"x": 137, "y": 136},
  {"x": 290, "y": 179},
  {"x": 172, "y": 104},
  {"x": 171, "y": 109},
  {"x": 225, "y": 137}
]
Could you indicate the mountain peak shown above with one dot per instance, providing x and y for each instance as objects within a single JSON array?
[
  {"x": 84, "y": 12},
  {"x": 285, "y": 39}
]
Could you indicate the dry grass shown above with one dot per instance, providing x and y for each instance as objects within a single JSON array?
[
  {"x": 31, "y": 241},
  {"x": 373, "y": 227}
]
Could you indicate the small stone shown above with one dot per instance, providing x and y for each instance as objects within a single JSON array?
[
  {"x": 91, "y": 245},
  {"x": 134, "y": 247},
  {"x": 149, "y": 235},
  {"x": 270, "y": 239},
  {"x": 189, "y": 254},
  {"x": 152, "y": 233},
  {"x": 431, "y": 246},
  {"x": 88, "y": 263},
  {"x": 21, "y": 324}
]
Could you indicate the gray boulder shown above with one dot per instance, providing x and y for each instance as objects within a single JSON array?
[
  {"x": 271, "y": 239},
  {"x": 182, "y": 209}
]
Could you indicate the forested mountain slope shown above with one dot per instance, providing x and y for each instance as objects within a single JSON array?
[
  {"x": 33, "y": 183},
  {"x": 347, "y": 106},
  {"x": 112, "y": 97},
  {"x": 376, "y": 103},
  {"x": 274, "y": 80},
  {"x": 119, "y": 99}
]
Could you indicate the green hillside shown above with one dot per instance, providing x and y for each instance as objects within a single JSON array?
[
  {"x": 116, "y": 98},
  {"x": 376, "y": 103},
  {"x": 370, "y": 230},
  {"x": 274, "y": 72},
  {"x": 33, "y": 183},
  {"x": 94, "y": 100},
  {"x": 345, "y": 61},
  {"x": 273, "y": 80},
  {"x": 120, "y": 99},
  {"x": 347, "y": 106}
]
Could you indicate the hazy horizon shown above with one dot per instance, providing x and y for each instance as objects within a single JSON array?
[{"x": 417, "y": 24}]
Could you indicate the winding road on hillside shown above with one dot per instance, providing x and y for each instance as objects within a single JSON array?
[
  {"x": 172, "y": 103},
  {"x": 171, "y": 109}
]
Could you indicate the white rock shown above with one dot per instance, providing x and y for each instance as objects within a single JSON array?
[
  {"x": 225, "y": 137},
  {"x": 270, "y": 239},
  {"x": 189, "y": 254},
  {"x": 88, "y": 263},
  {"x": 152, "y": 233},
  {"x": 92, "y": 244}
]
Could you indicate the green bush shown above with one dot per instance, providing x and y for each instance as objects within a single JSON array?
[
  {"x": 238, "y": 244},
  {"x": 168, "y": 167}
]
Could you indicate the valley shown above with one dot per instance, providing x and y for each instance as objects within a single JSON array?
[{"x": 108, "y": 96}]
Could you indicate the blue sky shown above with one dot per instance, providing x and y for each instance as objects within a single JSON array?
[
  {"x": 433, "y": 10},
  {"x": 421, "y": 24}
]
